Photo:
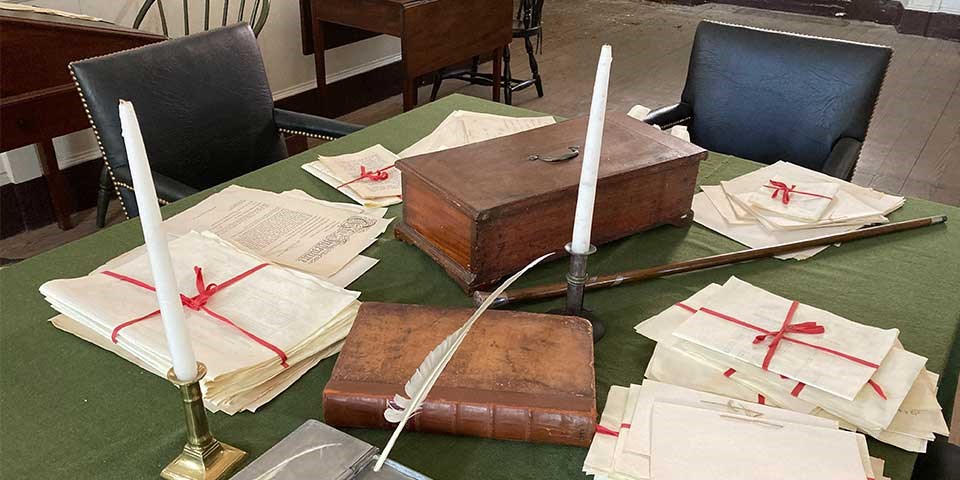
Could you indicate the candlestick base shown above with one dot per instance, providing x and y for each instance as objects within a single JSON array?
[
  {"x": 576, "y": 279},
  {"x": 203, "y": 457},
  {"x": 219, "y": 461}
]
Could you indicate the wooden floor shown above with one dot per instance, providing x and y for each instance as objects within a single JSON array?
[{"x": 913, "y": 146}]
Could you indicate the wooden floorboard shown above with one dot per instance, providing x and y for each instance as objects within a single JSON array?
[
  {"x": 912, "y": 147},
  {"x": 913, "y": 144}
]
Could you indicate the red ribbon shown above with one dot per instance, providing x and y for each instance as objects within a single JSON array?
[
  {"x": 686, "y": 307},
  {"x": 198, "y": 303},
  {"x": 780, "y": 187},
  {"x": 606, "y": 431},
  {"x": 372, "y": 175},
  {"x": 781, "y": 335},
  {"x": 761, "y": 399}
]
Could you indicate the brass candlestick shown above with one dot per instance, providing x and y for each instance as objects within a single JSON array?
[
  {"x": 203, "y": 456},
  {"x": 576, "y": 279}
]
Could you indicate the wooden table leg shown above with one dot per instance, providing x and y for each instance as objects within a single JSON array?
[
  {"x": 409, "y": 93},
  {"x": 497, "y": 67},
  {"x": 59, "y": 193},
  {"x": 320, "y": 63}
]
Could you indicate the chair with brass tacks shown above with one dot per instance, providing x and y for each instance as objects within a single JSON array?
[
  {"x": 768, "y": 96},
  {"x": 256, "y": 16},
  {"x": 205, "y": 111}
]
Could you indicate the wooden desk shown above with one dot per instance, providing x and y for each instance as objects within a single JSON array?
[
  {"x": 38, "y": 99},
  {"x": 433, "y": 33}
]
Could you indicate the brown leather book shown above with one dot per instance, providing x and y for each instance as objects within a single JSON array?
[{"x": 517, "y": 375}]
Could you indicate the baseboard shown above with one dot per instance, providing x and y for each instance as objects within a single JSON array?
[
  {"x": 26, "y": 205},
  {"x": 943, "y": 25},
  {"x": 349, "y": 93},
  {"x": 336, "y": 77}
]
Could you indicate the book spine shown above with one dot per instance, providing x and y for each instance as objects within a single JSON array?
[{"x": 490, "y": 420}]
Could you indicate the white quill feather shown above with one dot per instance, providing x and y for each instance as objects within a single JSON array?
[{"x": 429, "y": 371}]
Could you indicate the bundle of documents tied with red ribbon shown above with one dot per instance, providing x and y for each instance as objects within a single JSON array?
[
  {"x": 369, "y": 177},
  {"x": 261, "y": 277},
  {"x": 783, "y": 203},
  {"x": 659, "y": 431},
  {"x": 743, "y": 342}
]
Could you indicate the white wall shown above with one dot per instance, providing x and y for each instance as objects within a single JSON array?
[{"x": 288, "y": 70}]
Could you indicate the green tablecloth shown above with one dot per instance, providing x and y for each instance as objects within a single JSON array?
[{"x": 71, "y": 410}]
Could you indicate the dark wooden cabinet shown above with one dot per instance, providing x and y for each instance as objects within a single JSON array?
[{"x": 38, "y": 99}]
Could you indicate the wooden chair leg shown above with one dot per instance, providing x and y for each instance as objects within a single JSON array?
[
  {"x": 474, "y": 67},
  {"x": 534, "y": 68},
  {"x": 103, "y": 196},
  {"x": 507, "y": 77},
  {"x": 437, "y": 80}
]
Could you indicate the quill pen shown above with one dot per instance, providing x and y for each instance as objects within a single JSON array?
[{"x": 419, "y": 385}]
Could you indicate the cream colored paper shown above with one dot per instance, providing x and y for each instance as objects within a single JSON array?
[
  {"x": 831, "y": 373},
  {"x": 308, "y": 235},
  {"x": 732, "y": 213},
  {"x": 661, "y": 326},
  {"x": 627, "y": 464},
  {"x": 845, "y": 209},
  {"x": 600, "y": 456},
  {"x": 270, "y": 303},
  {"x": 807, "y": 202},
  {"x": 638, "y": 440},
  {"x": 346, "y": 168},
  {"x": 735, "y": 446},
  {"x": 755, "y": 236},
  {"x": 464, "y": 127}
]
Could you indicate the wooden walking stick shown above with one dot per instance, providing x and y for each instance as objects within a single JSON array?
[{"x": 612, "y": 280}]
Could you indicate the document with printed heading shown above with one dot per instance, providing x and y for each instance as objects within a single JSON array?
[{"x": 306, "y": 234}]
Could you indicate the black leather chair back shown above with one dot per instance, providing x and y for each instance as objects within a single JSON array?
[
  {"x": 203, "y": 103},
  {"x": 770, "y": 96}
]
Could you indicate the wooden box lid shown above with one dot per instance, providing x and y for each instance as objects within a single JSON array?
[{"x": 491, "y": 176}]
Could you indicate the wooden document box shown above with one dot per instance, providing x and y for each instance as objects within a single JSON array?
[{"x": 485, "y": 210}]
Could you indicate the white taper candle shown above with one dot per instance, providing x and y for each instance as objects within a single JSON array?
[
  {"x": 168, "y": 295},
  {"x": 583, "y": 221}
]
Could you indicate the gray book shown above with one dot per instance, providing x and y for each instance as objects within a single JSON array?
[{"x": 317, "y": 451}]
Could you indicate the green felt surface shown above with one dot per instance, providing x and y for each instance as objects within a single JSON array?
[{"x": 71, "y": 410}]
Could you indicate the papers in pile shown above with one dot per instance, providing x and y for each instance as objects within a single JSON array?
[
  {"x": 660, "y": 431},
  {"x": 784, "y": 202},
  {"x": 369, "y": 177},
  {"x": 743, "y": 342},
  {"x": 640, "y": 112},
  {"x": 263, "y": 288}
]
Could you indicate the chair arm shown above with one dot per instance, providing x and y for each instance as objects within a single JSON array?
[
  {"x": 666, "y": 117},
  {"x": 843, "y": 158},
  {"x": 312, "y": 125},
  {"x": 168, "y": 189}
]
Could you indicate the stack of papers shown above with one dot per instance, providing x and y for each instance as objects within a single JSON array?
[
  {"x": 784, "y": 202},
  {"x": 260, "y": 327},
  {"x": 743, "y": 342},
  {"x": 369, "y": 177},
  {"x": 659, "y": 431},
  {"x": 296, "y": 304},
  {"x": 290, "y": 228}
]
